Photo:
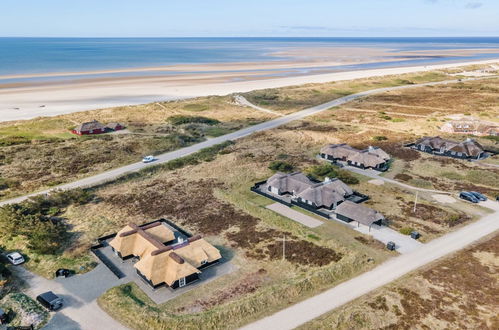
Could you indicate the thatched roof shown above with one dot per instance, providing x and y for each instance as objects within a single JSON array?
[
  {"x": 370, "y": 157},
  {"x": 339, "y": 150},
  {"x": 139, "y": 241},
  {"x": 469, "y": 147},
  {"x": 163, "y": 263},
  {"x": 359, "y": 213},
  {"x": 289, "y": 183},
  {"x": 89, "y": 126},
  {"x": 326, "y": 193},
  {"x": 113, "y": 126}
]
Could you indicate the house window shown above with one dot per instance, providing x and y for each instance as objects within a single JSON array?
[
  {"x": 204, "y": 262},
  {"x": 459, "y": 154},
  {"x": 181, "y": 282}
]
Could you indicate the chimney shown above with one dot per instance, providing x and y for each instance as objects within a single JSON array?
[
  {"x": 327, "y": 179},
  {"x": 370, "y": 148}
]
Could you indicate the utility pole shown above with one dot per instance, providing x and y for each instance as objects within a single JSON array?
[
  {"x": 284, "y": 248},
  {"x": 415, "y": 202}
]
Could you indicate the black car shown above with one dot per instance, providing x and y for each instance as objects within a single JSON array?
[
  {"x": 468, "y": 196},
  {"x": 391, "y": 246},
  {"x": 50, "y": 301},
  {"x": 478, "y": 196}
]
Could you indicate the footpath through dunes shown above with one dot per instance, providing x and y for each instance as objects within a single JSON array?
[
  {"x": 169, "y": 156},
  {"x": 18, "y": 103}
]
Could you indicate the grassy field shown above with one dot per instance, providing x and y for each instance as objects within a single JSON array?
[
  {"x": 459, "y": 292},
  {"x": 40, "y": 153},
  {"x": 289, "y": 99},
  {"x": 211, "y": 196}
]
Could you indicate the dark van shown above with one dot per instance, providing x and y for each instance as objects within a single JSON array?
[{"x": 50, "y": 301}]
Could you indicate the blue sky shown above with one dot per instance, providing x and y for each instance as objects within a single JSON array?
[{"x": 312, "y": 18}]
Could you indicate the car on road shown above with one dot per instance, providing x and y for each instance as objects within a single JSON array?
[
  {"x": 466, "y": 195},
  {"x": 479, "y": 196},
  {"x": 15, "y": 258},
  {"x": 148, "y": 159},
  {"x": 50, "y": 301}
]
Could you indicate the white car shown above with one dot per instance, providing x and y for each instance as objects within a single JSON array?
[
  {"x": 15, "y": 258},
  {"x": 148, "y": 159}
]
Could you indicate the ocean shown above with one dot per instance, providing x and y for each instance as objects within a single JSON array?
[{"x": 49, "y": 55}]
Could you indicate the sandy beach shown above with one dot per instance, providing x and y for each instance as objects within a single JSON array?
[{"x": 19, "y": 101}]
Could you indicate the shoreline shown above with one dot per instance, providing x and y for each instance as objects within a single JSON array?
[
  {"x": 52, "y": 100},
  {"x": 296, "y": 58}
]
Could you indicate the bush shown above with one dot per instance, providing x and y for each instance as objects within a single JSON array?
[
  {"x": 380, "y": 138},
  {"x": 181, "y": 120},
  {"x": 347, "y": 177},
  {"x": 406, "y": 230},
  {"x": 398, "y": 120},
  {"x": 320, "y": 172},
  {"x": 281, "y": 166}
]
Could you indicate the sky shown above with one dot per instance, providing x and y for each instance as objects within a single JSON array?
[{"x": 253, "y": 18}]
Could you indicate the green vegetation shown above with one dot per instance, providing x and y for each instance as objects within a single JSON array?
[
  {"x": 181, "y": 120},
  {"x": 379, "y": 138},
  {"x": 281, "y": 166},
  {"x": 196, "y": 107},
  {"x": 326, "y": 170},
  {"x": 398, "y": 120},
  {"x": 35, "y": 220},
  {"x": 25, "y": 310},
  {"x": 406, "y": 230}
]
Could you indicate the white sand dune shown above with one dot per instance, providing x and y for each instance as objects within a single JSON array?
[{"x": 55, "y": 99}]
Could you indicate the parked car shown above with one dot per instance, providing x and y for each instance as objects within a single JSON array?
[
  {"x": 50, "y": 301},
  {"x": 148, "y": 159},
  {"x": 415, "y": 235},
  {"x": 480, "y": 197},
  {"x": 466, "y": 195},
  {"x": 391, "y": 246},
  {"x": 15, "y": 258}
]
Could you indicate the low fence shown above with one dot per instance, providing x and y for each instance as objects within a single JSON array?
[{"x": 108, "y": 263}]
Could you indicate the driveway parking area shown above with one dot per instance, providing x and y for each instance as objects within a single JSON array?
[
  {"x": 295, "y": 215},
  {"x": 403, "y": 243}
]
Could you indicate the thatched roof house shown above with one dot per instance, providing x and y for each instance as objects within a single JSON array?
[
  {"x": 115, "y": 126},
  {"x": 175, "y": 264},
  {"x": 437, "y": 145},
  {"x": 91, "y": 127},
  {"x": 288, "y": 183},
  {"x": 372, "y": 157},
  {"x": 326, "y": 194},
  {"x": 349, "y": 211},
  {"x": 470, "y": 125}
]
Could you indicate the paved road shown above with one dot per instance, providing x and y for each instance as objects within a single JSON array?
[
  {"x": 80, "y": 294},
  {"x": 314, "y": 307},
  {"x": 166, "y": 157}
]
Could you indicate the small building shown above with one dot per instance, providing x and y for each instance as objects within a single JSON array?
[
  {"x": 468, "y": 149},
  {"x": 91, "y": 127},
  {"x": 372, "y": 157},
  {"x": 162, "y": 260},
  {"x": 470, "y": 125},
  {"x": 115, "y": 126},
  {"x": 348, "y": 211}
]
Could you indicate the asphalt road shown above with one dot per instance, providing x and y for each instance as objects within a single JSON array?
[
  {"x": 166, "y": 157},
  {"x": 345, "y": 292}
]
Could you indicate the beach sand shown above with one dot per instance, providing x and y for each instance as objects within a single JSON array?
[{"x": 26, "y": 101}]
